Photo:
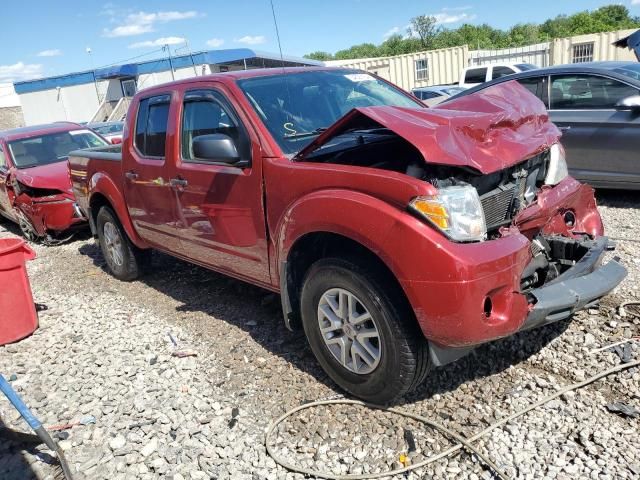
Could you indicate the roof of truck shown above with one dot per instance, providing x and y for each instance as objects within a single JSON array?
[{"x": 35, "y": 130}]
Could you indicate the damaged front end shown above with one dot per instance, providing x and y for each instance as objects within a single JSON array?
[
  {"x": 526, "y": 240},
  {"x": 45, "y": 215}
]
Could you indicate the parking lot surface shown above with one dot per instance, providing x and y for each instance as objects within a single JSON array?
[{"x": 104, "y": 349}]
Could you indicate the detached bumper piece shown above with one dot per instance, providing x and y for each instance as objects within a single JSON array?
[{"x": 578, "y": 287}]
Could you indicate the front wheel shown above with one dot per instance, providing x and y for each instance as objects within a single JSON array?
[
  {"x": 125, "y": 260},
  {"x": 362, "y": 331}
]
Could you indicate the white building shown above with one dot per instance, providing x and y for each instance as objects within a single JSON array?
[{"x": 104, "y": 94}]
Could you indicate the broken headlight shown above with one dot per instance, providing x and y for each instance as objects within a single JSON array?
[
  {"x": 456, "y": 211},
  {"x": 557, "y": 168}
]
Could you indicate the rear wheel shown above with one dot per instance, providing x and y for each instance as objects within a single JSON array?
[
  {"x": 362, "y": 330},
  {"x": 125, "y": 260}
]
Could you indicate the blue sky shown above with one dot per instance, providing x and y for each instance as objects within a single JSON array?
[{"x": 44, "y": 37}]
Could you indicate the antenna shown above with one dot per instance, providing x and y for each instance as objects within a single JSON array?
[
  {"x": 284, "y": 73},
  {"x": 275, "y": 22}
]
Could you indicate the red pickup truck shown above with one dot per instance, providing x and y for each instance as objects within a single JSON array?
[{"x": 399, "y": 237}]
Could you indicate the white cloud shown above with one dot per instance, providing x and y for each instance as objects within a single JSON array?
[
  {"x": 49, "y": 53},
  {"x": 144, "y": 22},
  {"x": 635, "y": 2},
  {"x": 251, "y": 39},
  {"x": 215, "y": 42},
  {"x": 442, "y": 18},
  {"x": 20, "y": 71},
  {"x": 391, "y": 31},
  {"x": 158, "y": 42}
]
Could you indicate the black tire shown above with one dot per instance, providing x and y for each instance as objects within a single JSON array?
[
  {"x": 404, "y": 355},
  {"x": 134, "y": 261}
]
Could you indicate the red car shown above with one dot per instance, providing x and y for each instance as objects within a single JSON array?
[
  {"x": 35, "y": 189},
  {"x": 399, "y": 237}
]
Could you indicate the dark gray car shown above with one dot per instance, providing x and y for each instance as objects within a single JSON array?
[{"x": 597, "y": 107}]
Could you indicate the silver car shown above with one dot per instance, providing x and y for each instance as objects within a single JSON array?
[{"x": 597, "y": 107}]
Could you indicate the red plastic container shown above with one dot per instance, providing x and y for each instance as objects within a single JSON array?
[{"x": 18, "y": 317}]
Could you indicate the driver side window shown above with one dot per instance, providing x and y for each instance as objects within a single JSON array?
[{"x": 205, "y": 113}]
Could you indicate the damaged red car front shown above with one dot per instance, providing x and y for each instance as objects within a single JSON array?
[{"x": 35, "y": 189}]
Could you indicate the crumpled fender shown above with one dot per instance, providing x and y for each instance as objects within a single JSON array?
[{"x": 102, "y": 183}]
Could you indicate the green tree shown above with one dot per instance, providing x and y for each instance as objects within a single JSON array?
[
  {"x": 424, "y": 34},
  {"x": 319, "y": 55},
  {"x": 425, "y": 28}
]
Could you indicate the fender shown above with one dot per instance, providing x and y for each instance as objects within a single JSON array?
[
  {"x": 102, "y": 183},
  {"x": 361, "y": 217}
]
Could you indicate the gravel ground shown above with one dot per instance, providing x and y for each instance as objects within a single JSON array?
[{"x": 103, "y": 350}]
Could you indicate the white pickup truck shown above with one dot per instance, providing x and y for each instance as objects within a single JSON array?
[{"x": 472, "y": 76}]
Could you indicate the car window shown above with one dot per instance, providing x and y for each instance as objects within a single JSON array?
[
  {"x": 576, "y": 92},
  {"x": 206, "y": 112},
  {"x": 52, "y": 147},
  {"x": 499, "y": 72},
  {"x": 526, "y": 66},
  {"x": 151, "y": 126},
  {"x": 537, "y": 86},
  {"x": 475, "y": 75},
  {"x": 3, "y": 160}
]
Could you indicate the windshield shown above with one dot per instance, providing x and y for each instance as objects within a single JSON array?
[
  {"x": 109, "y": 129},
  {"x": 51, "y": 148},
  {"x": 632, "y": 70},
  {"x": 297, "y": 107}
]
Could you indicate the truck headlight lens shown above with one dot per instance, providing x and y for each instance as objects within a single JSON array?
[
  {"x": 456, "y": 211},
  {"x": 557, "y": 168}
]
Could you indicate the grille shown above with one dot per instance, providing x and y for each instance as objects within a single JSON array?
[{"x": 497, "y": 207}]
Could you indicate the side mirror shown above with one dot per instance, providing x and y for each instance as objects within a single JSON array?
[
  {"x": 216, "y": 148},
  {"x": 629, "y": 103}
]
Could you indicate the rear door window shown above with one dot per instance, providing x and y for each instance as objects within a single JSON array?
[
  {"x": 537, "y": 86},
  {"x": 151, "y": 126},
  {"x": 476, "y": 75},
  {"x": 587, "y": 92}
]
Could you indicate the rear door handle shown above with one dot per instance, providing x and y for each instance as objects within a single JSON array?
[
  {"x": 131, "y": 175},
  {"x": 178, "y": 182}
]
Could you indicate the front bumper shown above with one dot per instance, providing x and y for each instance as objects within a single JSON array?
[
  {"x": 55, "y": 215},
  {"x": 579, "y": 287}
]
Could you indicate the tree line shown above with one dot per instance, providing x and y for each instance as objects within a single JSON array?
[{"x": 423, "y": 33}]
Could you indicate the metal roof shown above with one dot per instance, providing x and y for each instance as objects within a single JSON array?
[{"x": 156, "y": 65}]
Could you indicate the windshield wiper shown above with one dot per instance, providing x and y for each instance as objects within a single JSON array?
[{"x": 317, "y": 131}]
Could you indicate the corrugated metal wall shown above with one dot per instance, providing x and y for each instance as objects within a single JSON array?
[
  {"x": 537, "y": 54},
  {"x": 444, "y": 67},
  {"x": 562, "y": 48}
]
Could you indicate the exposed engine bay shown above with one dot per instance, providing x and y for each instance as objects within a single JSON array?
[{"x": 503, "y": 194}]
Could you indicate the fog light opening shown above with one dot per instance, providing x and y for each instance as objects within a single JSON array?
[
  {"x": 487, "y": 307},
  {"x": 569, "y": 219}
]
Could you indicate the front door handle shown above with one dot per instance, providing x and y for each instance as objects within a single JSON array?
[
  {"x": 565, "y": 129},
  {"x": 178, "y": 182},
  {"x": 131, "y": 175}
]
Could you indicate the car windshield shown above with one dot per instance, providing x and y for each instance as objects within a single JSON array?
[
  {"x": 526, "y": 66},
  {"x": 632, "y": 70},
  {"x": 51, "y": 148},
  {"x": 109, "y": 129},
  {"x": 297, "y": 107}
]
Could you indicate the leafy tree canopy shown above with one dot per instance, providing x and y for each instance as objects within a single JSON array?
[{"x": 424, "y": 34}]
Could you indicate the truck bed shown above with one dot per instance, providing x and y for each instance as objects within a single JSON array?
[{"x": 92, "y": 165}]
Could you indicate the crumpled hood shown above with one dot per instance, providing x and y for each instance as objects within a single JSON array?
[
  {"x": 488, "y": 131},
  {"x": 52, "y": 176}
]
